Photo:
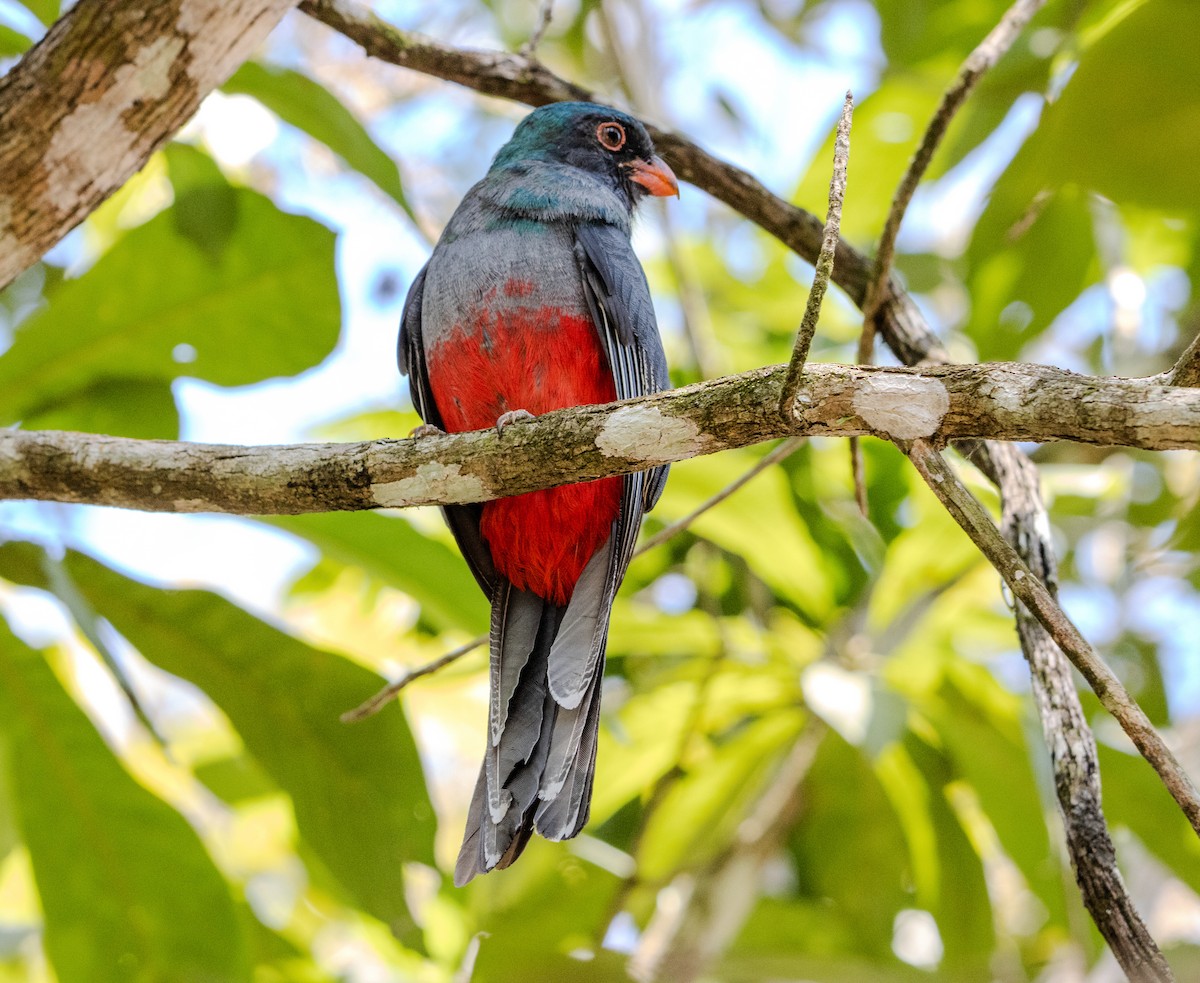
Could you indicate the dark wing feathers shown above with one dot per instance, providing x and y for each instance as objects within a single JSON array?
[{"x": 618, "y": 299}]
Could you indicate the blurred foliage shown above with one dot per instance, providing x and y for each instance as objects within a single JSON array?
[{"x": 818, "y": 756}]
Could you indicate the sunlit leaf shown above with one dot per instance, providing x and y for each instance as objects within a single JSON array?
[
  {"x": 101, "y": 844},
  {"x": 428, "y": 570},
  {"x": 1135, "y": 797},
  {"x": 358, "y": 791},
  {"x": 960, "y": 903},
  {"x": 44, "y": 10},
  {"x": 701, "y": 811},
  {"x": 848, "y": 835},
  {"x": 162, "y": 304},
  {"x": 12, "y": 42},
  {"x": 788, "y": 560},
  {"x": 1012, "y": 299},
  {"x": 1138, "y": 127},
  {"x": 309, "y": 106},
  {"x": 982, "y": 727}
]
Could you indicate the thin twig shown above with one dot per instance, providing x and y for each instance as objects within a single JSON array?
[
  {"x": 539, "y": 31},
  {"x": 383, "y": 697},
  {"x": 823, "y": 269},
  {"x": 1029, "y": 589},
  {"x": 775, "y": 456},
  {"x": 858, "y": 472},
  {"x": 988, "y": 52}
]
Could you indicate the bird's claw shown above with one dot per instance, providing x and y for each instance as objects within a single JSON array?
[
  {"x": 427, "y": 430},
  {"x": 512, "y": 416}
]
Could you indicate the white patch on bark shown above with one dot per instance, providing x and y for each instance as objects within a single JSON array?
[
  {"x": 221, "y": 34},
  {"x": 72, "y": 161},
  {"x": 903, "y": 407},
  {"x": 432, "y": 482},
  {"x": 1004, "y": 396},
  {"x": 645, "y": 433}
]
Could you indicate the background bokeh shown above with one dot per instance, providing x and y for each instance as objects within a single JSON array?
[{"x": 818, "y": 755}]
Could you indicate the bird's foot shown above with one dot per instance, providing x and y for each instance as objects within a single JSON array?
[
  {"x": 512, "y": 416},
  {"x": 427, "y": 430}
]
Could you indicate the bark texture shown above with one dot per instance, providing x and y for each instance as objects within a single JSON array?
[
  {"x": 1070, "y": 742},
  {"x": 88, "y": 105},
  {"x": 940, "y": 403}
]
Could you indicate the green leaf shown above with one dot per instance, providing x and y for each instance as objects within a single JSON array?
[
  {"x": 131, "y": 407},
  {"x": 101, "y": 847},
  {"x": 539, "y": 912},
  {"x": 736, "y": 525},
  {"x": 1122, "y": 139},
  {"x": 1012, "y": 299},
  {"x": 310, "y": 107},
  {"x": 849, "y": 836},
  {"x": 699, "y": 815},
  {"x": 914, "y": 31},
  {"x": 206, "y": 205},
  {"x": 1134, "y": 797},
  {"x": 160, "y": 305},
  {"x": 428, "y": 570},
  {"x": 980, "y": 724},
  {"x": 44, "y": 10},
  {"x": 13, "y": 42},
  {"x": 961, "y": 903},
  {"x": 358, "y": 790}
]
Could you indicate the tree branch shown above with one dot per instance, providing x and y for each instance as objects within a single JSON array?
[
  {"x": 253, "y": 487},
  {"x": 1035, "y": 595},
  {"x": 1069, "y": 739},
  {"x": 89, "y": 104},
  {"x": 1007, "y": 401}
]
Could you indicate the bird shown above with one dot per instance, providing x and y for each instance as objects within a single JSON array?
[{"x": 533, "y": 300}]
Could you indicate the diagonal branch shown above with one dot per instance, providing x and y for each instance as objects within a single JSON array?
[
  {"x": 89, "y": 104},
  {"x": 1006, "y": 401},
  {"x": 986, "y": 54},
  {"x": 1069, "y": 739},
  {"x": 1029, "y": 589},
  {"x": 1119, "y": 922}
]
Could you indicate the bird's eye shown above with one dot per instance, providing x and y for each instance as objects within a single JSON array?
[{"x": 611, "y": 135}]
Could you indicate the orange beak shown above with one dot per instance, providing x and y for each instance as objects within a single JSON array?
[{"x": 655, "y": 176}]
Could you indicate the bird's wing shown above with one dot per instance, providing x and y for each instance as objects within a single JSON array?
[
  {"x": 463, "y": 520},
  {"x": 619, "y": 301}
]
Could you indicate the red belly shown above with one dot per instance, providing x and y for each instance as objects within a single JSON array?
[{"x": 538, "y": 360}]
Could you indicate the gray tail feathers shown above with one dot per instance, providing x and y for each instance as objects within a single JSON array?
[{"x": 541, "y": 748}]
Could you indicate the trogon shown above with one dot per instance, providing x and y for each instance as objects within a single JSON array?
[{"x": 533, "y": 300}]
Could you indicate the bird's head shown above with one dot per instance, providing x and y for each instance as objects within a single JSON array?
[{"x": 605, "y": 143}]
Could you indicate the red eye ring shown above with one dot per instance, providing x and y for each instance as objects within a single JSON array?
[{"x": 611, "y": 135}]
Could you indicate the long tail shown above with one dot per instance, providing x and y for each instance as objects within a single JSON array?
[{"x": 547, "y": 663}]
